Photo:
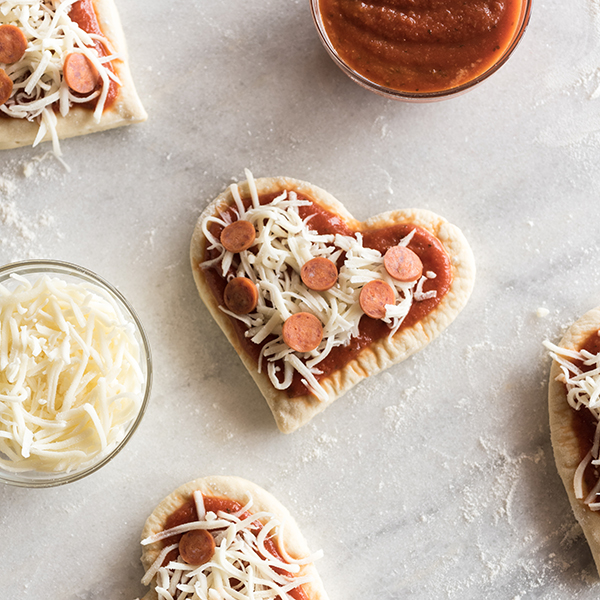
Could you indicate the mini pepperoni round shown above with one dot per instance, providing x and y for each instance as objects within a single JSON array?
[
  {"x": 79, "y": 73},
  {"x": 302, "y": 332},
  {"x": 241, "y": 295},
  {"x": 402, "y": 264},
  {"x": 13, "y": 44},
  {"x": 238, "y": 236},
  {"x": 319, "y": 274},
  {"x": 374, "y": 297},
  {"x": 6, "y": 86},
  {"x": 197, "y": 546}
]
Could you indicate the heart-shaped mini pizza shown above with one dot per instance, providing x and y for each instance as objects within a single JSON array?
[
  {"x": 313, "y": 300},
  {"x": 574, "y": 409},
  {"x": 225, "y": 537}
]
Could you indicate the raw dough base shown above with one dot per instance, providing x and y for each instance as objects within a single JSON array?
[
  {"x": 126, "y": 109},
  {"x": 291, "y": 413},
  {"x": 564, "y": 439},
  {"x": 233, "y": 488}
]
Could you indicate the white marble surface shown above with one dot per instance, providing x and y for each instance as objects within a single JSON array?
[{"x": 434, "y": 479}]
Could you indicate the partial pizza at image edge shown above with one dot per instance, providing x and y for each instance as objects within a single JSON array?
[
  {"x": 285, "y": 546},
  {"x": 567, "y": 443},
  {"x": 124, "y": 109}
]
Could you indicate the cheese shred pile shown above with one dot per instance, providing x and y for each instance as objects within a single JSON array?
[
  {"x": 242, "y": 567},
  {"x": 583, "y": 392},
  {"x": 38, "y": 83},
  {"x": 285, "y": 242},
  {"x": 70, "y": 378}
]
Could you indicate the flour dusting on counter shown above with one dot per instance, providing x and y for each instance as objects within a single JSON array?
[
  {"x": 23, "y": 231},
  {"x": 319, "y": 451}
]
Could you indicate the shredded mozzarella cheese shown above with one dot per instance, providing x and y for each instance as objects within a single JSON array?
[
  {"x": 38, "y": 83},
  {"x": 242, "y": 567},
  {"x": 284, "y": 243},
  {"x": 583, "y": 391},
  {"x": 70, "y": 378}
]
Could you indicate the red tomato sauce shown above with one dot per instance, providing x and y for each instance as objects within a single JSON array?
[
  {"x": 187, "y": 513},
  {"x": 424, "y": 244},
  {"x": 584, "y": 422},
  {"x": 84, "y": 15},
  {"x": 421, "y": 45}
]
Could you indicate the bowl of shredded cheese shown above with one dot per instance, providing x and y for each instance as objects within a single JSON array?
[{"x": 75, "y": 372}]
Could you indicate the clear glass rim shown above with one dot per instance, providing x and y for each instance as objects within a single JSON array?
[
  {"x": 59, "y": 267},
  {"x": 419, "y": 96}
]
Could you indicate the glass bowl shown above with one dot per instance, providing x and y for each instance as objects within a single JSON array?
[
  {"x": 424, "y": 96},
  {"x": 80, "y": 418}
]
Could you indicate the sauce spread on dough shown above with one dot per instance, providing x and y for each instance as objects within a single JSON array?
[
  {"x": 83, "y": 13},
  {"x": 421, "y": 45},
  {"x": 186, "y": 513},
  {"x": 424, "y": 244},
  {"x": 584, "y": 422}
]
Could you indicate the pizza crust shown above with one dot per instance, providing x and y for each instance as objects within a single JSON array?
[
  {"x": 291, "y": 413},
  {"x": 565, "y": 443},
  {"x": 126, "y": 109},
  {"x": 238, "y": 489}
]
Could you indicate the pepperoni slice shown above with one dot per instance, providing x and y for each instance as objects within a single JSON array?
[
  {"x": 241, "y": 295},
  {"x": 13, "y": 44},
  {"x": 402, "y": 264},
  {"x": 302, "y": 332},
  {"x": 319, "y": 274},
  {"x": 79, "y": 73},
  {"x": 197, "y": 546},
  {"x": 374, "y": 296},
  {"x": 238, "y": 236},
  {"x": 6, "y": 86}
]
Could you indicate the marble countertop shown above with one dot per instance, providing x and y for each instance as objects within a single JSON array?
[{"x": 434, "y": 479}]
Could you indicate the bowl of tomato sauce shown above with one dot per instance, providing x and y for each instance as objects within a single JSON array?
[{"x": 420, "y": 50}]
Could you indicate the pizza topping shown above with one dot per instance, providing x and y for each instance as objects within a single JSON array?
[
  {"x": 197, "y": 547},
  {"x": 38, "y": 78},
  {"x": 248, "y": 558},
  {"x": 13, "y": 44},
  {"x": 302, "y": 332},
  {"x": 238, "y": 236},
  {"x": 402, "y": 264},
  {"x": 70, "y": 379},
  {"x": 375, "y": 297},
  {"x": 199, "y": 505},
  {"x": 319, "y": 274},
  {"x": 240, "y": 295},
  {"x": 79, "y": 73},
  {"x": 580, "y": 373},
  {"x": 6, "y": 86},
  {"x": 291, "y": 231}
]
